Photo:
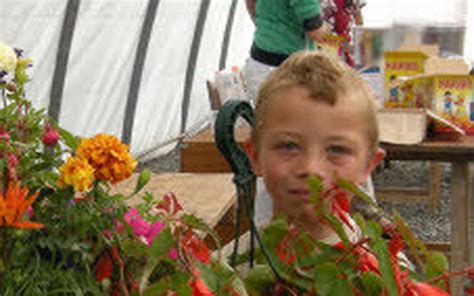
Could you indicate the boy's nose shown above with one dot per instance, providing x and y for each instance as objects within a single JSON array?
[{"x": 315, "y": 165}]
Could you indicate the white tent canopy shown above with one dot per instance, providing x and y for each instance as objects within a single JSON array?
[
  {"x": 97, "y": 72},
  {"x": 137, "y": 68}
]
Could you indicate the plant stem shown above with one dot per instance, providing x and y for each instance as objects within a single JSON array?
[{"x": 4, "y": 256}]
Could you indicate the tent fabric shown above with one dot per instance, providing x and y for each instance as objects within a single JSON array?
[
  {"x": 102, "y": 54},
  {"x": 435, "y": 13},
  {"x": 97, "y": 86}
]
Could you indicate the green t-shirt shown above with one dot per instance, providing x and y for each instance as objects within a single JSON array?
[{"x": 279, "y": 25}]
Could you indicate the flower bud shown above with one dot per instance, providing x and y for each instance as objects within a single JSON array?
[
  {"x": 11, "y": 87},
  {"x": 50, "y": 136},
  {"x": 4, "y": 135}
]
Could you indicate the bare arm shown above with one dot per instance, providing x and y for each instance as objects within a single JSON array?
[
  {"x": 318, "y": 35},
  {"x": 251, "y": 8}
]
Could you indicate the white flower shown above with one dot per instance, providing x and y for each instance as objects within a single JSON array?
[{"x": 7, "y": 58}]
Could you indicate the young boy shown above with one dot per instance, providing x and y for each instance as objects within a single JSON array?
[{"x": 314, "y": 116}]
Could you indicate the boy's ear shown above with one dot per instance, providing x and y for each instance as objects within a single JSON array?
[
  {"x": 252, "y": 154},
  {"x": 376, "y": 159}
]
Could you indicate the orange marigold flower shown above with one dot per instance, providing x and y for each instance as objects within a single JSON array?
[
  {"x": 109, "y": 157},
  {"x": 14, "y": 205},
  {"x": 76, "y": 172}
]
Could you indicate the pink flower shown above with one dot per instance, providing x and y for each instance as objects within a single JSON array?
[
  {"x": 173, "y": 254},
  {"x": 50, "y": 136},
  {"x": 141, "y": 228},
  {"x": 30, "y": 212},
  {"x": 153, "y": 231},
  {"x": 11, "y": 168}
]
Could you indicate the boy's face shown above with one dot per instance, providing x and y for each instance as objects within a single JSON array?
[{"x": 303, "y": 137}]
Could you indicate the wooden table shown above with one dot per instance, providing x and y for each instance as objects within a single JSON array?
[
  {"x": 459, "y": 153},
  {"x": 201, "y": 155}
]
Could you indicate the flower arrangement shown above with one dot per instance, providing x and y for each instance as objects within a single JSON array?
[{"x": 63, "y": 229}]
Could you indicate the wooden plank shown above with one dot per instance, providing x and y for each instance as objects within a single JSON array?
[
  {"x": 401, "y": 195},
  {"x": 200, "y": 154},
  {"x": 471, "y": 220},
  {"x": 460, "y": 187},
  {"x": 208, "y": 196},
  {"x": 202, "y": 157},
  {"x": 434, "y": 186},
  {"x": 438, "y": 148}
]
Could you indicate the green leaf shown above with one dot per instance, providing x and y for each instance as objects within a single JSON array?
[
  {"x": 142, "y": 180},
  {"x": 372, "y": 284},
  {"x": 326, "y": 253},
  {"x": 360, "y": 221},
  {"x": 336, "y": 225},
  {"x": 260, "y": 280},
  {"x": 328, "y": 280},
  {"x": 316, "y": 186},
  {"x": 437, "y": 264},
  {"x": 357, "y": 192},
  {"x": 177, "y": 283},
  {"x": 416, "y": 247},
  {"x": 228, "y": 279},
  {"x": 208, "y": 276},
  {"x": 69, "y": 139},
  {"x": 379, "y": 246},
  {"x": 162, "y": 243}
]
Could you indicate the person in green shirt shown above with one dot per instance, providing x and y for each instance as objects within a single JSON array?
[{"x": 282, "y": 27}]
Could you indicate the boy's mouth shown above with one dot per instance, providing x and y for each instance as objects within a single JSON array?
[{"x": 303, "y": 194}]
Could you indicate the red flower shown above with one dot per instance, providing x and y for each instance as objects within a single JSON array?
[
  {"x": 339, "y": 204},
  {"x": 50, "y": 136},
  {"x": 198, "y": 286},
  {"x": 368, "y": 262},
  {"x": 423, "y": 289},
  {"x": 169, "y": 204},
  {"x": 284, "y": 253},
  {"x": 196, "y": 248},
  {"x": 394, "y": 247},
  {"x": 104, "y": 267}
]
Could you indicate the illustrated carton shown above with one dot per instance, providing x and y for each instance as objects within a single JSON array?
[
  {"x": 333, "y": 45},
  {"x": 404, "y": 85},
  {"x": 453, "y": 99}
]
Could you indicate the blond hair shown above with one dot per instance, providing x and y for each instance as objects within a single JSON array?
[{"x": 327, "y": 79}]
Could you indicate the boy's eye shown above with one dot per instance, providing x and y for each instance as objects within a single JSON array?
[
  {"x": 287, "y": 146},
  {"x": 338, "y": 150}
]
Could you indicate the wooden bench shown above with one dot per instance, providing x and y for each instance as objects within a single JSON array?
[{"x": 210, "y": 197}]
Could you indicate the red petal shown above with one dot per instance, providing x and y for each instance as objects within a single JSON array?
[
  {"x": 104, "y": 267},
  {"x": 423, "y": 289}
]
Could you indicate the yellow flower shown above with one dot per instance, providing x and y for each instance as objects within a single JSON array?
[
  {"x": 14, "y": 205},
  {"x": 76, "y": 172},
  {"x": 7, "y": 58},
  {"x": 109, "y": 157}
]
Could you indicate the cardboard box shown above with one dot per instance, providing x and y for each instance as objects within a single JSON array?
[
  {"x": 402, "y": 126},
  {"x": 410, "y": 126},
  {"x": 452, "y": 99},
  {"x": 403, "y": 89}
]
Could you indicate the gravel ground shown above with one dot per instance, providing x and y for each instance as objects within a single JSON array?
[{"x": 428, "y": 226}]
